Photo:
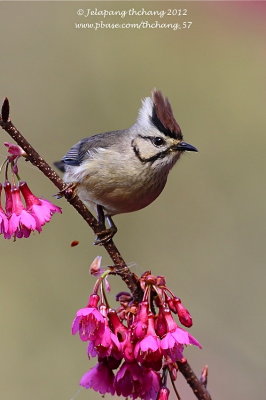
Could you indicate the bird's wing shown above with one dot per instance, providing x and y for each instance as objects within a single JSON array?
[{"x": 85, "y": 148}]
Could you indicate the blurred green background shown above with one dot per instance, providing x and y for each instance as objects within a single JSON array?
[{"x": 206, "y": 232}]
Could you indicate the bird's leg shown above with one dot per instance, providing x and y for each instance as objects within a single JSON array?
[
  {"x": 113, "y": 228},
  {"x": 105, "y": 234}
]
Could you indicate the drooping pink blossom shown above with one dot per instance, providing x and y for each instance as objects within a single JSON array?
[
  {"x": 123, "y": 333},
  {"x": 8, "y": 205},
  {"x": 173, "y": 342},
  {"x": 3, "y": 218},
  {"x": 21, "y": 223},
  {"x": 148, "y": 350},
  {"x": 41, "y": 209},
  {"x": 151, "y": 385},
  {"x": 163, "y": 393},
  {"x": 160, "y": 323},
  {"x": 89, "y": 322},
  {"x": 99, "y": 378},
  {"x": 129, "y": 380},
  {"x": 172, "y": 347},
  {"x": 106, "y": 344},
  {"x": 142, "y": 341},
  {"x": 140, "y": 325},
  {"x": 116, "y": 325},
  {"x": 128, "y": 348}
]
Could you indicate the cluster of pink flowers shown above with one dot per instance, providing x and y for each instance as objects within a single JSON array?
[
  {"x": 137, "y": 345},
  {"x": 19, "y": 218}
]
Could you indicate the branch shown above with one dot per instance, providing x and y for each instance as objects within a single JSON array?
[
  {"x": 131, "y": 280},
  {"x": 196, "y": 385},
  {"x": 121, "y": 268}
]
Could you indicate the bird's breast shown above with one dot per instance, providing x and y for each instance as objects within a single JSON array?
[
  {"x": 117, "y": 183},
  {"x": 121, "y": 194}
]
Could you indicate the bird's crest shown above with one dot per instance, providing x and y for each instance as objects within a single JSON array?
[{"x": 158, "y": 111}]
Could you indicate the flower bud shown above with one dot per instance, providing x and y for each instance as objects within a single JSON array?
[
  {"x": 172, "y": 302},
  {"x": 183, "y": 315},
  {"x": 95, "y": 267},
  {"x": 160, "y": 323},
  {"x": 163, "y": 393},
  {"x": 140, "y": 325}
]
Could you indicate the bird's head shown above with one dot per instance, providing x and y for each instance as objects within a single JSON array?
[{"x": 158, "y": 139}]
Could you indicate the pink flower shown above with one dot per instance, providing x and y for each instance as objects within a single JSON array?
[
  {"x": 140, "y": 325},
  {"x": 160, "y": 323},
  {"x": 128, "y": 348},
  {"x": 14, "y": 149},
  {"x": 41, "y": 209},
  {"x": 129, "y": 380},
  {"x": 148, "y": 351},
  {"x": 174, "y": 341},
  {"x": 3, "y": 218},
  {"x": 151, "y": 385},
  {"x": 163, "y": 393},
  {"x": 99, "y": 378},
  {"x": 20, "y": 223},
  {"x": 122, "y": 332},
  {"x": 107, "y": 344},
  {"x": 171, "y": 346},
  {"x": 89, "y": 322},
  {"x": 9, "y": 202}
]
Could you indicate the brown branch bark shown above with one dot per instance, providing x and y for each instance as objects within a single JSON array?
[
  {"x": 198, "y": 388},
  {"x": 122, "y": 269}
]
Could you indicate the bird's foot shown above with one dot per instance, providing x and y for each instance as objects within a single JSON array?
[
  {"x": 69, "y": 191},
  {"x": 104, "y": 236}
]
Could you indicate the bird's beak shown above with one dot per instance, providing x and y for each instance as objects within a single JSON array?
[{"x": 183, "y": 146}]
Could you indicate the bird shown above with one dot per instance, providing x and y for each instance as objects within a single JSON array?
[{"x": 125, "y": 170}]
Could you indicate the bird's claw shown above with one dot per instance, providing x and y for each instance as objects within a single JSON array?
[
  {"x": 105, "y": 236},
  {"x": 69, "y": 191}
]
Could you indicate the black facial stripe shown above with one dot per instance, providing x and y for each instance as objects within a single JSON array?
[
  {"x": 150, "y": 138},
  {"x": 156, "y": 122},
  {"x": 136, "y": 151},
  {"x": 162, "y": 154}
]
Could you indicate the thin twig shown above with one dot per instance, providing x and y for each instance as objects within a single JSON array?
[
  {"x": 204, "y": 375},
  {"x": 198, "y": 388}
]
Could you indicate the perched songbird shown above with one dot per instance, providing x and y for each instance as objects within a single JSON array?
[{"x": 123, "y": 171}]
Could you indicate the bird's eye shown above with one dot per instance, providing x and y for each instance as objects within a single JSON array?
[{"x": 158, "y": 141}]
